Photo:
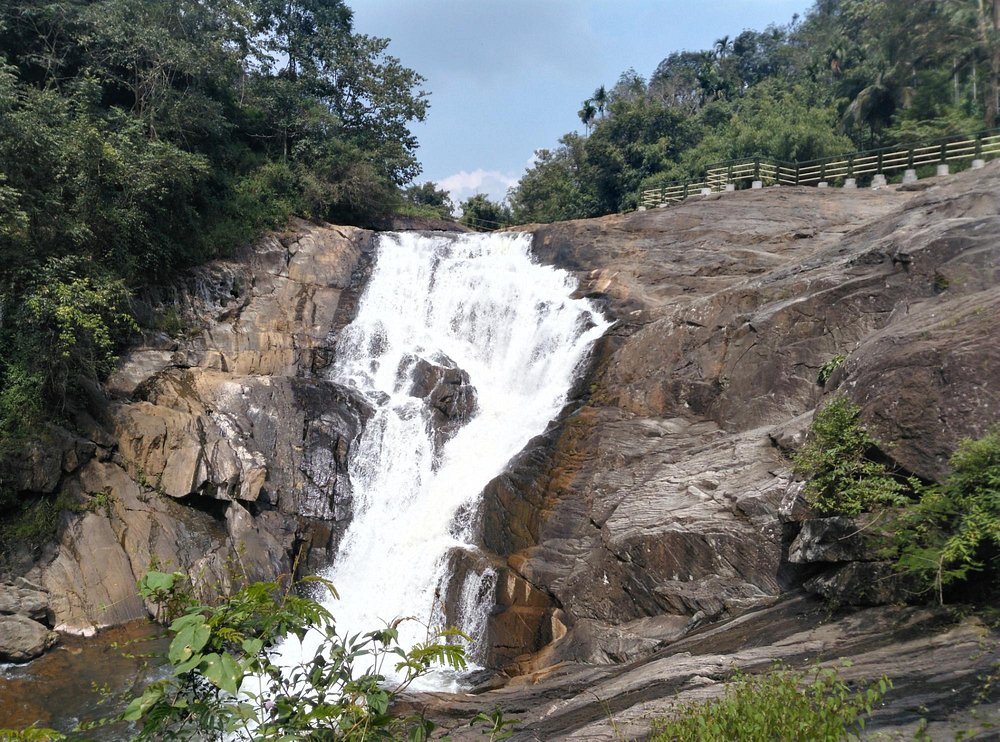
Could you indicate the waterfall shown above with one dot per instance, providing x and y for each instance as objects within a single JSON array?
[{"x": 477, "y": 313}]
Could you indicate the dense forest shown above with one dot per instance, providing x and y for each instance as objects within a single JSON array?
[
  {"x": 139, "y": 137},
  {"x": 850, "y": 75}
]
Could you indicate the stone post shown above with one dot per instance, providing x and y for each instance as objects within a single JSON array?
[
  {"x": 942, "y": 169},
  {"x": 850, "y": 183},
  {"x": 909, "y": 176}
]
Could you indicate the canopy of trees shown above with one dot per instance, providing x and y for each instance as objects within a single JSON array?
[
  {"x": 140, "y": 136},
  {"x": 850, "y": 75}
]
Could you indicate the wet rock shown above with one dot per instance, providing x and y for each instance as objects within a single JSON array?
[
  {"x": 446, "y": 388},
  {"x": 865, "y": 584},
  {"x": 22, "y": 639}
]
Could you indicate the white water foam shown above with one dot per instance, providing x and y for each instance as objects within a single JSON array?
[{"x": 507, "y": 321}]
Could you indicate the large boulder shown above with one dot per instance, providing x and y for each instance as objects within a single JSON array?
[
  {"x": 23, "y": 639},
  {"x": 447, "y": 390}
]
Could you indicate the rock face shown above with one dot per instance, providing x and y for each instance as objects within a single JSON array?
[
  {"x": 936, "y": 664},
  {"x": 24, "y": 611},
  {"x": 218, "y": 448},
  {"x": 666, "y": 489}
]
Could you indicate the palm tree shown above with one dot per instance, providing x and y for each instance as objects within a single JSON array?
[
  {"x": 723, "y": 47},
  {"x": 600, "y": 99},
  {"x": 587, "y": 114},
  {"x": 875, "y": 103}
]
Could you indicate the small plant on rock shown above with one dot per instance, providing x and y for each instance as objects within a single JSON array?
[
  {"x": 827, "y": 369},
  {"x": 843, "y": 477}
]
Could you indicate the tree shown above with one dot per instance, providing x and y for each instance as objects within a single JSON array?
[
  {"x": 481, "y": 213},
  {"x": 428, "y": 195},
  {"x": 587, "y": 113},
  {"x": 556, "y": 187},
  {"x": 600, "y": 99}
]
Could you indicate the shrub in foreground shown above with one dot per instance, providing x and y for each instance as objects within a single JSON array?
[
  {"x": 783, "y": 704},
  {"x": 227, "y": 679}
]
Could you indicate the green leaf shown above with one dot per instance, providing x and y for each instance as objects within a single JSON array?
[
  {"x": 157, "y": 582},
  {"x": 189, "y": 640},
  {"x": 222, "y": 671},
  {"x": 139, "y": 706},
  {"x": 252, "y": 647}
]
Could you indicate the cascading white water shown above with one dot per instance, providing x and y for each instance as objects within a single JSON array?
[{"x": 481, "y": 301}]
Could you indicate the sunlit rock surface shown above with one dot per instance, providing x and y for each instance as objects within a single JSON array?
[
  {"x": 217, "y": 448},
  {"x": 664, "y": 499}
]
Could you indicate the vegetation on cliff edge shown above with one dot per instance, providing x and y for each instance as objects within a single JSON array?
[
  {"x": 848, "y": 75},
  {"x": 139, "y": 137}
]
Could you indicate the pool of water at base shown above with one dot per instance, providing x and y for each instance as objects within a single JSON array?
[{"x": 82, "y": 679}]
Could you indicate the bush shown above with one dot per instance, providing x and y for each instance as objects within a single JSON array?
[
  {"x": 780, "y": 705},
  {"x": 954, "y": 528},
  {"x": 226, "y": 680},
  {"x": 837, "y": 460}
]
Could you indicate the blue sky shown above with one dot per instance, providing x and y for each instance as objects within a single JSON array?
[{"x": 507, "y": 77}]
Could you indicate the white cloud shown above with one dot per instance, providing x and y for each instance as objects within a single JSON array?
[{"x": 464, "y": 184}]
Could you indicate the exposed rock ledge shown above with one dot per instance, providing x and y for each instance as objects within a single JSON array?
[{"x": 218, "y": 449}]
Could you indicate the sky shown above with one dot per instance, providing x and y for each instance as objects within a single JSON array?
[{"x": 507, "y": 77}]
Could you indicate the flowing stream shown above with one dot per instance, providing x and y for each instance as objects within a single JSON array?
[{"x": 478, "y": 303}]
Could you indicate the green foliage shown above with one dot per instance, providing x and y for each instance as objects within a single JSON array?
[
  {"x": 953, "y": 530},
  {"x": 481, "y": 213},
  {"x": 428, "y": 200},
  {"x": 495, "y": 724},
  {"x": 79, "y": 316},
  {"x": 837, "y": 460},
  {"x": 30, "y": 734},
  {"x": 828, "y": 367},
  {"x": 141, "y": 137},
  {"x": 226, "y": 679},
  {"x": 780, "y": 705},
  {"x": 557, "y": 186}
]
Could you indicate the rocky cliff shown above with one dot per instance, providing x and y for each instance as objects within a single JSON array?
[
  {"x": 217, "y": 449},
  {"x": 664, "y": 500},
  {"x": 667, "y": 492}
]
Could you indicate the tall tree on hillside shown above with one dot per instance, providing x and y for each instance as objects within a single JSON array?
[
  {"x": 988, "y": 17},
  {"x": 723, "y": 47},
  {"x": 600, "y": 100},
  {"x": 587, "y": 113}
]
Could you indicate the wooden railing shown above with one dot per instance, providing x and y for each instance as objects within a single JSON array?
[{"x": 887, "y": 161}]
